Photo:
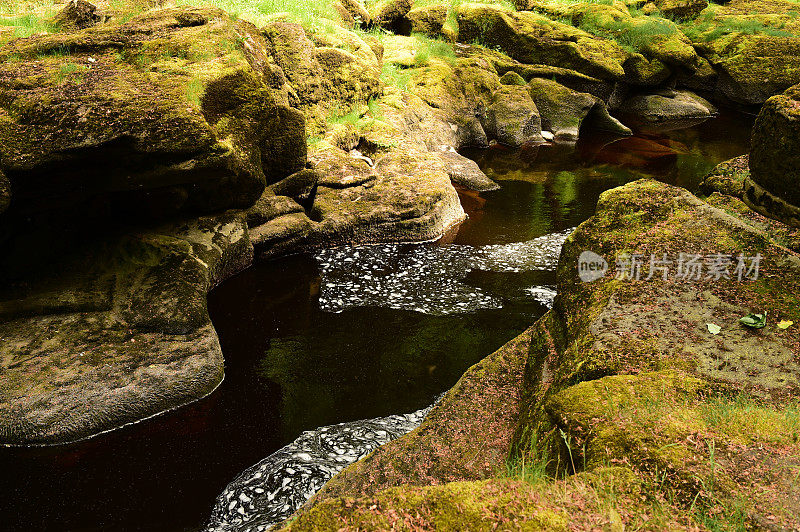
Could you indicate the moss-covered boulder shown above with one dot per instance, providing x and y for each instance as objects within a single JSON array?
[
  {"x": 428, "y": 20},
  {"x": 391, "y": 14},
  {"x": 535, "y": 39},
  {"x": 463, "y": 89},
  {"x": 727, "y": 177},
  {"x": 169, "y": 113},
  {"x": 169, "y": 98},
  {"x": 681, "y": 9},
  {"x": 772, "y": 187},
  {"x": 753, "y": 46},
  {"x": 512, "y": 118},
  {"x": 667, "y": 107},
  {"x": 328, "y": 72},
  {"x": 563, "y": 111},
  {"x": 611, "y": 498},
  {"x": 402, "y": 193},
  {"x": 118, "y": 332}
]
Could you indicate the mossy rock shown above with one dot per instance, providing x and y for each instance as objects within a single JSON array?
[
  {"x": 667, "y": 106},
  {"x": 535, "y": 39},
  {"x": 610, "y": 498},
  {"x": 428, "y": 20},
  {"x": 563, "y": 110},
  {"x": 616, "y": 326},
  {"x": 166, "y": 114},
  {"x": 390, "y": 14},
  {"x": 512, "y": 118},
  {"x": 681, "y": 9},
  {"x": 773, "y": 182},
  {"x": 118, "y": 333},
  {"x": 752, "y": 68},
  {"x": 715, "y": 454},
  {"x": 512, "y": 78},
  {"x": 727, "y": 177}
]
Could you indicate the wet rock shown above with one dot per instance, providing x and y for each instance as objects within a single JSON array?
[
  {"x": 405, "y": 196},
  {"x": 115, "y": 334},
  {"x": 466, "y": 172},
  {"x": 771, "y": 188},
  {"x": 563, "y": 110},
  {"x": 77, "y": 15},
  {"x": 512, "y": 118},
  {"x": 300, "y": 186},
  {"x": 667, "y": 106}
]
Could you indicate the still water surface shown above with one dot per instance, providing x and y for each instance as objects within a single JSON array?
[{"x": 295, "y": 362}]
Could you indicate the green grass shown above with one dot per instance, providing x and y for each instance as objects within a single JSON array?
[
  {"x": 70, "y": 72},
  {"x": 194, "y": 89},
  {"x": 309, "y": 13},
  {"x": 27, "y": 25},
  {"x": 707, "y": 27},
  {"x": 429, "y": 48},
  {"x": 632, "y": 35},
  {"x": 394, "y": 76}
]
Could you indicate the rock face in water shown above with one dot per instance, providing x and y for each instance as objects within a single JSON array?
[
  {"x": 102, "y": 309},
  {"x": 273, "y": 489},
  {"x": 773, "y": 187},
  {"x": 117, "y": 335},
  {"x": 618, "y": 372}
]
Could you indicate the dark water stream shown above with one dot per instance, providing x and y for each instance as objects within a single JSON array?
[{"x": 310, "y": 341}]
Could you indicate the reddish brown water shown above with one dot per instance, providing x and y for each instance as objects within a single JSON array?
[{"x": 291, "y": 367}]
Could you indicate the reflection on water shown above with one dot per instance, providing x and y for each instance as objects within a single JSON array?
[{"x": 292, "y": 367}]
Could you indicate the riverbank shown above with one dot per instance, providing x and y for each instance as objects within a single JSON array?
[{"x": 150, "y": 152}]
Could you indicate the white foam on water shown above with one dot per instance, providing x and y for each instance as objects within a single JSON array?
[{"x": 426, "y": 278}]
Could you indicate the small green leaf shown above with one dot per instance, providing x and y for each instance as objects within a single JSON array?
[
  {"x": 713, "y": 328},
  {"x": 754, "y": 321},
  {"x": 785, "y": 324}
]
